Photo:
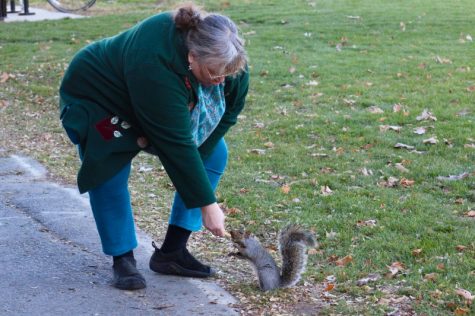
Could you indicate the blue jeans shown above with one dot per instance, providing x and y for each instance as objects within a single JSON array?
[{"x": 110, "y": 203}]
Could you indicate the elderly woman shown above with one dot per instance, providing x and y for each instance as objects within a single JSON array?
[{"x": 172, "y": 85}]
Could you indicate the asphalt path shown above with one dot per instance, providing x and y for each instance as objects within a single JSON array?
[{"x": 51, "y": 262}]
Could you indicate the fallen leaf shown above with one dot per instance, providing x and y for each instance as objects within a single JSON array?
[
  {"x": 372, "y": 277},
  {"x": 391, "y": 182},
  {"x": 459, "y": 201},
  {"x": 258, "y": 151},
  {"x": 326, "y": 191},
  {"x": 440, "y": 267},
  {"x": 313, "y": 83},
  {"x": 404, "y": 146},
  {"x": 420, "y": 130},
  {"x": 395, "y": 268},
  {"x": 432, "y": 141},
  {"x": 4, "y": 77},
  {"x": 441, "y": 60},
  {"x": 461, "y": 311},
  {"x": 431, "y": 277},
  {"x": 416, "y": 252},
  {"x": 465, "y": 294},
  {"x": 406, "y": 182},
  {"x": 400, "y": 167},
  {"x": 454, "y": 178},
  {"x": 402, "y": 26},
  {"x": 375, "y": 110},
  {"x": 329, "y": 287},
  {"x": 366, "y": 172},
  {"x": 426, "y": 115},
  {"x": 397, "y": 108},
  {"x": 471, "y": 88},
  {"x": 259, "y": 125},
  {"x": 285, "y": 189},
  {"x": 367, "y": 223},
  {"x": 344, "y": 261},
  {"x": 460, "y": 248},
  {"x": 312, "y": 252},
  {"x": 384, "y": 128},
  {"x": 269, "y": 145},
  {"x": 469, "y": 146},
  {"x": 470, "y": 214},
  {"x": 331, "y": 235}
]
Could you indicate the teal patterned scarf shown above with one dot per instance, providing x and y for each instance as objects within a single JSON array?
[{"x": 207, "y": 112}]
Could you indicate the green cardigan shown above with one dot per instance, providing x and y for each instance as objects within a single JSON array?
[{"x": 141, "y": 77}]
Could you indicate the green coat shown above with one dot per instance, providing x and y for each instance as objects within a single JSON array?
[{"x": 141, "y": 77}]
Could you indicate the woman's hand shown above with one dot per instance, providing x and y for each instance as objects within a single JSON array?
[{"x": 213, "y": 219}]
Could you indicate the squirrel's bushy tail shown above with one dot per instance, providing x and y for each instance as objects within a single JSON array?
[{"x": 293, "y": 242}]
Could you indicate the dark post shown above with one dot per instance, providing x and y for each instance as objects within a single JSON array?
[
  {"x": 12, "y": 7},
  {"x": 26, "y": 8},
  {"x": 3, "y": 9}
]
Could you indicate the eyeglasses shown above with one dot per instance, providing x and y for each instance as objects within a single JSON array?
[{"x": 214, "y": 77}]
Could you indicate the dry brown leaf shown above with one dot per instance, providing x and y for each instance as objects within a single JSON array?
[
  {"x": 312, "y": 252},
  {"x": 4, "y": 77},
  {"x": 391, "y": 182},
  {"x": 395, "y": 268},
  {"x": 471, "y": 89},
  {"x": 431, "y": 277},
  {"x": 470, "y": 214},
  {"x": 329, "y": 287},
  {"x": 367, "y": 223},
  {"x": 325, "y": 190},
  {"x": 441, "y": 60},
  {"x": 372, "y": 277},
  {"x": 402, "y": 26},
  {"x": 285, "y": 189},
  {"x": 344, "y": 261},
  {"x": 420, "y": 130},
  {"x": 258, "y": 151},
  {"x": 454, "y": 178},
  {"x": 459, "y": 201},
  {"x": 416, "y": 252},
  {"x": 426, "y": 115},
  {"x": 460, "y": 248},
  {"x": 292, "y": 69},
  {"x": 406, "y": 182},
  {"x": 384, "y": 128},
  {"x": 397, "y": 108},
  {"x": 440, "y": 267},
  {"x": 375, "y": 110},
  {"x": 269, "y": 145},
  {"x": 431, "y": 141},
  {"x": 404, "y": 146},
  {"x": 465, "y": 294},
  {"x": 400, "y": 167},
  {"x": 461, "y": 311},
  {"x": 469, "y": 146}
]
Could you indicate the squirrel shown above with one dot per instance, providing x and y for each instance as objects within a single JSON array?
[{"x": 293, "y": 243}]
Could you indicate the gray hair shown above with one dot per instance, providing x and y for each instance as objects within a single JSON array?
[{"x": 212, "y": 38}]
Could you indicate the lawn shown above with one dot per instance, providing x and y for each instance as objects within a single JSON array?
[{"x": 359, "y": 125}]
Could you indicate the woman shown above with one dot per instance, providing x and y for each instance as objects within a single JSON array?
[{"x": 172, "y": 85}]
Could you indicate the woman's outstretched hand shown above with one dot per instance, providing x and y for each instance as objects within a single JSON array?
[{"x": 213, "y": 219}]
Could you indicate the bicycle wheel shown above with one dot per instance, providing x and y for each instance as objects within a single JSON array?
[{"x": 71, "y": 5}]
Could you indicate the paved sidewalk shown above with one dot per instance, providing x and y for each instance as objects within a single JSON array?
[
  {"x": 39, "y": 15},
  {"x": 52, "y": 264}
]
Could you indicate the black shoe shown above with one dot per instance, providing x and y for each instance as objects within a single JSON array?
[
  {"x": 179, "y": 262},
  {"x": 126, "y": 275}
]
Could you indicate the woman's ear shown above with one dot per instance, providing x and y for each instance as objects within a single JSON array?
[{"x": 191, "y": 58}]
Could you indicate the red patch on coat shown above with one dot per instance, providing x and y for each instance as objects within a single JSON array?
[
  {"x": 106, "y": 128},
  {"x": 187, "y": 83}
]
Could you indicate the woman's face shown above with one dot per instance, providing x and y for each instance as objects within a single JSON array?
[{"x": 204, "y": 74}]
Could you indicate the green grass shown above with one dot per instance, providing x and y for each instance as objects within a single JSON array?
[{"x": 379, "y": 65}]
